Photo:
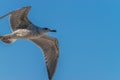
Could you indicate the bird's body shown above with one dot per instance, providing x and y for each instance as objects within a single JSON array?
[
  {"x": 30, "y": 32},
  {"x": 23, "y": 29}
]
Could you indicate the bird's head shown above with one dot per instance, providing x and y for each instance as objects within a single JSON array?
[{"x": 48, "y": 30}]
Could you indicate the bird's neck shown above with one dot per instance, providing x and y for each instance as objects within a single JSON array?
[{"x": 40, "y": 30}]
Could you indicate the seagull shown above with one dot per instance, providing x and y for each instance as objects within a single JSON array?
[{"x": 23, "y": 28}]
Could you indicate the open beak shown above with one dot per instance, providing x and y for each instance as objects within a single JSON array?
[{"x": 53, "y": 30}]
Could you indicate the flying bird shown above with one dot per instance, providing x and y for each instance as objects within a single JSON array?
[{"x": 23, "y": 28}]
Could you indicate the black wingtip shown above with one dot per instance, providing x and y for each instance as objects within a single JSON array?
[{"x": 49, "y": 76}]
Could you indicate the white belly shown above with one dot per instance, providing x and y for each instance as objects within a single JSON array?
[{"x": 24, "y": 33}]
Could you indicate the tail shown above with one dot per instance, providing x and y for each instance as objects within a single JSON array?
[{"x": 6, "y": 39}]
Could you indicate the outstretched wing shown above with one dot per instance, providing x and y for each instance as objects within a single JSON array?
[
  {"x": 50, "y": 48},
  {"x": 18, "y": 18}
]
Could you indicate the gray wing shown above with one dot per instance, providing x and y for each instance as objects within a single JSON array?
[
  {"x": 18, "y": 18},
  {"x": 50, "y": 48}
]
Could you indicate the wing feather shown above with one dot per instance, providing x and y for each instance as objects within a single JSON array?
[
  {"x": 19, "y": 19},
  {"x": 50, "y": 48}
]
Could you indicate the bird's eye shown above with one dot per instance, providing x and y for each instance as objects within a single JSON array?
[{"x": 46, "y": 28}]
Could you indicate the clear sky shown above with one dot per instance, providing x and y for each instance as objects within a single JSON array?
[{"x": 88, "y": 34}]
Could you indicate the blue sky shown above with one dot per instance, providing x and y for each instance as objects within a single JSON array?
[{"x": 88, "y": 33}]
